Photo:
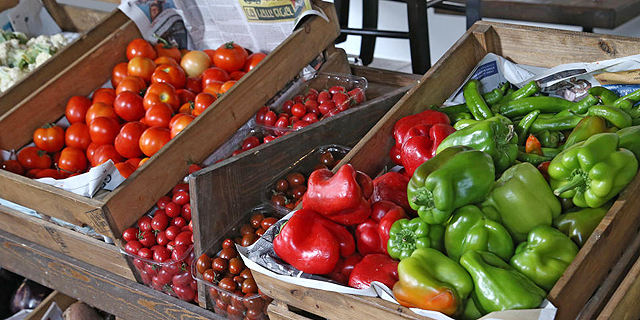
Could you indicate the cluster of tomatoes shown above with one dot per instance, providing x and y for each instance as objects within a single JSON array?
[
  {"x": 230, "y": 284},
  {"x": 288, "y": 191},
  {"x": 161, "y": 246},
  {"x": 302, "y": 111},
  {"x": 155, "y": 95}
]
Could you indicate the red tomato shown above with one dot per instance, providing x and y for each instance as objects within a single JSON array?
[
  {"x": 159, "y": 115},
  {"x": 12, "y": 166},
  {"x": 125, "y": 169},
  {"x": 181, "y": 123},
  {"x": 49, "y": 138},
  {"x": 130, "y": 234},
  {"x": 237, "y": 75},
  {"x": 103, "y": 130},
  {"x": 161, "y": 92},
  {"x": 230, "y": 57},
  {"x": 147, "y": 238},
  {"x": 194, "y": 84},
  {"x": 250, "y": 143},
  {"x": 202, "y": 102},
  {"x": 180, "y": 187},
  {"x": 260, "y": 114},
  {"x": 141, "y": 67},
  {"x": 127, "y": 141},
  {"x": 227, "y": 85},
  {"x": 194, "y": 167},
  {"x": 165, "y": 49},
  {"x": 270, "y": 118},
  {"x": 104, "y": 153},
  {"x": 72, "y": 160},
  {"x": 161, "y": 255},
  {"x": 326, "y": 106},
  {"x": 214, "y": 74},
  {"x": 160, "y": 221},
  {"x": 34, "y": 158},
  {"x": 153, "y": 139},
  {"x": 268, "y": 138},
  {"x": 194, "y": 62},
  {"x": 185, "y": 212},
  {"x": 132, "y": 247},
  {"x": 166, "y": 60},
  {"x": 119, "y": 72},
  {"x": 144, "y": 223},
  {"x": 172, "y": 232},
  {"x": 77, "y": 136},
  {"x": 50, "y": 173},
  {"x": 298, "y": 110},
  {"x": 135, "y": 162},
  {"x": 357, "y": 95},
  {"x": 185, "y": 95},
  {"x": 210, "y": 53},
  {"x": 91, "y": 151},
  {"x": 335, "y": 89},
  {"x": 310, "y": 117},
  {"x": 99, "y": 109},
  {"x": 170, "y": 74},
  {"x": 300, "y": 124},
  {"x": 104, "y": 95},
  {"x": 253, "y": 60},
  {"x": 161, "y": 238},
  {"x": 298, "y": 99},
  {"x": 179, "y": 222},
  {"x": 181, "y": 198},
  {"x": 128, "y": 106},
  {"x": 140, "y": 48},
  {"x": 323, "y": 96},
  {"x": 213, "y": 88},
  {"x": 131, "y": 83},
  {"x": 183, "y": 239},
  {"x": 312, "y": 106},
  {"x": 77, "y": 108}
]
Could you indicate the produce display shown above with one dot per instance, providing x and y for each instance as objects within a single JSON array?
[
  {"x": 154, "y": 96},
  {"x": 230, "y": 284},
  {"x": 493, "y": 202}
]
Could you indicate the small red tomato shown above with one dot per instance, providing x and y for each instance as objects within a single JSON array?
[
  {"x": 172, "y": 209},
  {"x": 260, "y": 114},
  {"x": 326, "y": 106},
  {"x": 133, "y": 247},
  {"x": 250, "y": 143},
  {"x": 270, "y": 118},
  {"x": 76, "y": 109},
  {"x": 181, "y": 198},
  {"x": 298, "y": 110},
  {"x": 172, "y": 232},
  {"x": 286, "y": 106},
  {"x": 12, "y": 166},
  {"x": 335, "y": 89},
  {"x": 179, "y": 222},
  {"x": 268, "y": 138},
  {"x": 161, "y": 255},
  {"x": 184, "y": 238},
  {"x": 162, "y": 202},
  {"x": 323, "y": 96},
  {"x": 310, "y": 117},
  {"x": 130, "y": 234},
  {"x": 147, "y": 238},
  {"x": 160, "y": 221},
  {"x": 144, "y": 223},
  {"x": 34, "y": 158},
  {"x": 300, "y": 124},
  {"x": 186, "y": 212}
]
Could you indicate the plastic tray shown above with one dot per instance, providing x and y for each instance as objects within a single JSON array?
[
  {"x": 235, "y": 305},
  {"x": 305, "y": 165}
]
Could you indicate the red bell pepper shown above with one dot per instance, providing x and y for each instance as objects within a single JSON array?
[
  {"x": 392, "y": 186},
  {"x": 419, "y": 148},
  {"x": 428, "y": 117},
  {"x": 313, "y": 244},
  {"x": 342, "y": 197},
  {"x": 374, "y": 267},
  {"x": 373, "y": 234},
  {"x": 343, "y": 268}
]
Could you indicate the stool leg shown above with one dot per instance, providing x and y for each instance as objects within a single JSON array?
[
  {"x": 369, "y": 20},
  {"x": 419, "y": 36},
  {"x": 342, "y": 10},
  {"x": 473, "y": 12}
]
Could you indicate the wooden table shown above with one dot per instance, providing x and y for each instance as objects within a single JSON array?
[{"x": 588, "y": 14}]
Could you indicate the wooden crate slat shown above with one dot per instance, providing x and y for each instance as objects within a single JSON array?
[
  {"x": 624, "y": 301},
  {"x": 63, "y": 301},
  {"x": 68, "y": 242}
]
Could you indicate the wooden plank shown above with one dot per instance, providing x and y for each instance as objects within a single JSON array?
[
  {"x": 65, "y": 241},
  {"x": 137, "y": 194},
  {"x": 624, "y": 302},
  {"x": 59, "y": 15},
  {"x": 61, "y": 60},
  {"x": 63, "y": 301},
  {"x": 279, "y": 311},
  {"x": 101, "y": 289},
  {"x": 335, "y": 61},
  {"x": 381, "y": 76},
  {"x": 332, "y": 305}
]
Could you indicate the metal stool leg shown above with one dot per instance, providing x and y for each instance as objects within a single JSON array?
[
  {"x": 419, "y": 36},
  {"x": 369, "y": 21},
  {"x": 473, "y": 12},
  {"x": 342, "y": 10}
]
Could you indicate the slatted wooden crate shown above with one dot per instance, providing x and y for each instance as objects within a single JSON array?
[
  {"x": 520, "y": 44},
  {"x": 109, "y": 213}
]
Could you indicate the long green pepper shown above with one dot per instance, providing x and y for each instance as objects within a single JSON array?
[
  {"x": 525, "y": 124},
  {"x": 476, "y": 104}
]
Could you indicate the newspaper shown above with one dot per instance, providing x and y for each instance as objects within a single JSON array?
[{"x": 258, "y": 25}]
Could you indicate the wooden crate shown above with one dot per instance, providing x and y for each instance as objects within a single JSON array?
[
  {"x": 222, "y": 193},
  {"x": 109, "y": 213},
  {"x": 520, "y": 44},
  {"x": 66, "y": 56}
]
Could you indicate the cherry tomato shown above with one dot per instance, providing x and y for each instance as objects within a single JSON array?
[
  {"x": 250, "y": 143},
  {"x": 208, "y": 275},
  {"x": 248, "y": 239},
  {"x": 311, "y": 95},
  {"x": 170, "y": 74},
  {"x": 185, "y": 212},
  {"x": 49, "y": 138},
  {"x": 34, "y": 158},
  {"x": 130, "y": 234},
  {"x": 181, "y": 123},
  {"x": 357, "y": 94},
  {"x": 228, "y": 253},
  {"x": 335, "y": 89},
  {"x": 104, "y": 95},
  {"x": 227, "y": 85},
  {"x": 128, "y": 106},
  {"x": 194, "y": 62},
  {"x": 194, "y": 84},
  {"x": 147, "y": 238},
  {"x": 161, "y": 93},
  {"x": 12, "y": 166},
  {"x": 185, "y": 96},
  {"x": 237, "y": 75},
  {"x": 162, "y": 202},
  {"x": 144, "y": 223},
  {"x": 125, "y": 169},
  {"x": 153, "y": 139},
  {"x": 179, "y": 222},
  {"x": 235, "y": 265},
  {"x": 119, "y": 72},
  {"x": 72, "y": 160},
  {"x": 214, "y": 74},
  {"x": 173, "y": 210},
  {"x": 260, "y": 114},
  {"x": 181, "y": 198},
  {"x": 298, "y": 110},
  {"x": 310, "y": 118},
  {"x": 202, "y": 102},
  {"x": 268, "y": 222},
  {"x": 179, "y": 252},
  {"x": 160, "y": 221},
  {"x": 158, "y": 115},
  {"x": 103, "y": 130},
  {"x": 184, "y": 238},
  {"x": 133, "y": 247},
  {"x": 76, "y": 109},
  {"x": 140, "y": 48},
  {"x": 194, "y": 167},
  {"x": 326, "y": 106},
  {"x": 295, "y": 179},
  {"x": 166, "y": 49},
  {"x": 104, "y": 153},
  {"x": 230, "y": 57},
  {"x": 300, "y": 124},
  {"x": 341, "y": 100},
  {"x": 253, "y": 60},
  {"x": 161, "y": 255},
  {"x": 131, "y": 83},
  {"x": 127, "y": 141},
  {"x": 100, "y": 109},
  {"x": 312, "y": 107}
]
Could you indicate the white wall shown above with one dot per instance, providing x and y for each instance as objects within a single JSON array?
[{"x": 444, "y": 30}]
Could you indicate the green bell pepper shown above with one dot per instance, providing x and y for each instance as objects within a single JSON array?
[
  {"x": 630, "y": 139},
  {"x": 470, "y": 312},
  {"x": 470, "y": 229},
  {"x": 405, "y": 236},
  {"x": 579, "y": 224},
  {"x": 430, "y": 280},
  {"x": 521, "y": 200},
  {"x": 587, "y": 127},
  {"x": 544, "y": 256},
  {"x": 592, "y": 172},
  {"x": 497, "y": 285},
  {"x": 453, "y": 178},
  {"x": 495, "y": 136}
]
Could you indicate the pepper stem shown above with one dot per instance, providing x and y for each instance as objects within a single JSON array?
[
  {"x": 576, "y": 181},
  {"x": 423, "y": 197}
]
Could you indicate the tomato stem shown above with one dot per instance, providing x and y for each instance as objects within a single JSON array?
[{"x": 229, "y": 45}]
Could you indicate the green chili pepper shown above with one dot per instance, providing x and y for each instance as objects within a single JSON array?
[
  {"x": 551, "y": 152},
  {"x": 555, "y": 123},
  {"x": 523, "y": 106},
  {"x": 493, "y": 96},
  {"x": 635, "y": 112},
  {"x": 461, "y": 124},
  {"x": 476, "y": 104},
  {"x": 525, "y": 124},
  {"x": 580, "y": 107},
  {"x": 607, "y": 96},
  {"x": 616, "y": 116},
  {"x": 633, "y": 97},
  {"x": 587, "y": 127},
  {"x": 625, "y": 105},
  {"x": 549, "y": 139},
  {"x": 460, "y": 116},
  {"x": 451, "y": 110},
  {"x": 527, "y": 90},
  {"x": 532, "y": 158}
]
